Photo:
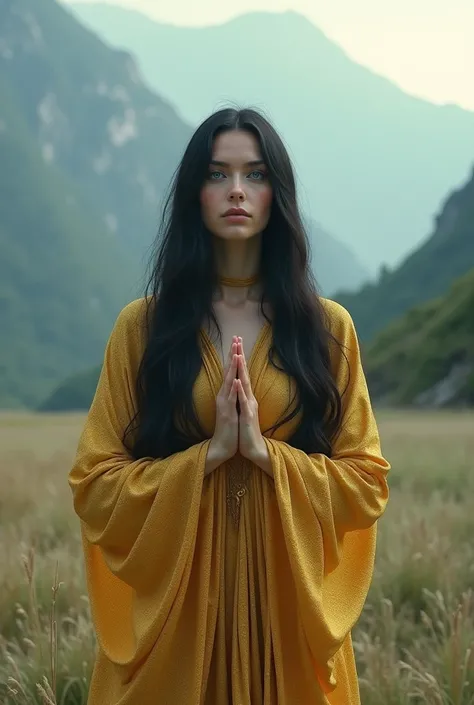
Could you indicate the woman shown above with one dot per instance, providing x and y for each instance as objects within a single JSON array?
[{"x": 229, "y": 476}]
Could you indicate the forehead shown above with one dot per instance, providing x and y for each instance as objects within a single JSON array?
[{"x": 236, "y": 146}]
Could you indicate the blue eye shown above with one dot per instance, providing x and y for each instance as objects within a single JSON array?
[
  {"x": 257, "y": 175},
  {"x": 214, "y": 175}
]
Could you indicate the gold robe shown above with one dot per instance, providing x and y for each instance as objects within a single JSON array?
[{"x": 192, "y": 608}]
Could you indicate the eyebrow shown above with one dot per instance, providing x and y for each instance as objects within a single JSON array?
[{"x": 255, "y": 162}]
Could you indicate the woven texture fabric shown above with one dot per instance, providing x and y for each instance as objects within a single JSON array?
[{"x": 191, "y": 607}]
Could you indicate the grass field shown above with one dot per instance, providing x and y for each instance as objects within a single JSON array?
[{"x": 414, "y": 642}]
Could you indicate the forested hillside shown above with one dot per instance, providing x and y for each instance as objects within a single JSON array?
[{"x": 426, "y": 274}]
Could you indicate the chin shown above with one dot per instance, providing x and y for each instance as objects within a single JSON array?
[
  {"x": 239, "y": 229},
  {"x": 238, "y": 235}
]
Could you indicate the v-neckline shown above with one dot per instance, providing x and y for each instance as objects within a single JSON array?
[{"x": 253, "y": 352}]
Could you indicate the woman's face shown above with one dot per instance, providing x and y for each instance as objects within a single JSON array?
[{"x": 237, "y": 179}]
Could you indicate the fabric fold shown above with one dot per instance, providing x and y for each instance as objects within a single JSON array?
[
  {"x": 326, "y": 518},
  {"x": 138, "y": 571}
]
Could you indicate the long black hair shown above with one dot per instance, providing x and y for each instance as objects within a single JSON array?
[{"x": 179, "y": 295}]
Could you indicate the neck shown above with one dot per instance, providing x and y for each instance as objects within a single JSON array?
[
  {"x": 238, "y": 260},
  {"x": 238, "y": 267}
]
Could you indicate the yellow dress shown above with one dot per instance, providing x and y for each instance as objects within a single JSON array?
[{"x": 196, "y": 604}]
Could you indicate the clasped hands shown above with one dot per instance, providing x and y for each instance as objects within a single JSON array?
[
  {"x": 238, "y": 429},
  {"x": 251, "y": 442}
]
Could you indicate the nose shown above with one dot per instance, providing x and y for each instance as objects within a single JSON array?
[{"x": 236, "y": 192}]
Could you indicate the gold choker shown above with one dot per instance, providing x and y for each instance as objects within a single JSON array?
[{"x": 234, "y": 281}]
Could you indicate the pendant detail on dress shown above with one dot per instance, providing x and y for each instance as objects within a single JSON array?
[
  {"x": 233, "y": 503},
  {"x": 237, "y": 477}
]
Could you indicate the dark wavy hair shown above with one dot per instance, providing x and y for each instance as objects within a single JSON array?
[{"x": 179, "y": 295}]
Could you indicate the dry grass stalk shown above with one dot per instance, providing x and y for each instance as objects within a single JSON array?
[{"x": 414, "y": 643}]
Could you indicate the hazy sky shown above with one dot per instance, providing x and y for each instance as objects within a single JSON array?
[{"x": 426, "y": 46}]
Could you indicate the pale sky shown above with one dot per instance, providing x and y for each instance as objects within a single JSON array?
[{"x": 426, "y": 46}]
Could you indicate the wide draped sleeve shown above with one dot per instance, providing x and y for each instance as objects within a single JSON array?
[
  {"x": 138, "y": 517},
  {"x": 323, "y": 523}
]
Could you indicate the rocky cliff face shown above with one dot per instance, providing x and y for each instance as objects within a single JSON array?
[
  {"x": 92, "y": 115},
  {"x": 86, "y": 151},
  {"x": 426, "y": 273},
  {"x": 426, "y": 356}
]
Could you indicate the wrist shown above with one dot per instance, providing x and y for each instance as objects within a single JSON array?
[
  {"x": 215, "y": 457},
  {"x": 261, "y": 458}
]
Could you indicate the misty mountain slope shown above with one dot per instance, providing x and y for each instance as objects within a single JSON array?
[
  {"x": 59, "y": 291},
  {"x": 92, "y": 115},
  {"x": 86, "y": 150},
  {"x": 334, "y": 264},
  {"x": 374, "y": 162},
  {"x": 425, "y": 274}
]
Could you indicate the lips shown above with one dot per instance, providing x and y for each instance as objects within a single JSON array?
[{"x": 236, "y": 211}]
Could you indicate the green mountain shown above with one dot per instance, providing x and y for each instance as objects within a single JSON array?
[
  {"x": 424, "y": 275},
  {"x": 374, "y": 162},
  {"x": 92, "y": 116},
  {"x": 58, "y": 291},
  {"x": 74, "y": 394},
  {"x": 82, "y": 145},
  {"x": 426, "y": 358}
]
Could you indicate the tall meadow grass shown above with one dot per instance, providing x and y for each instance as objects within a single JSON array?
[{"x": 414, "y": 643}]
